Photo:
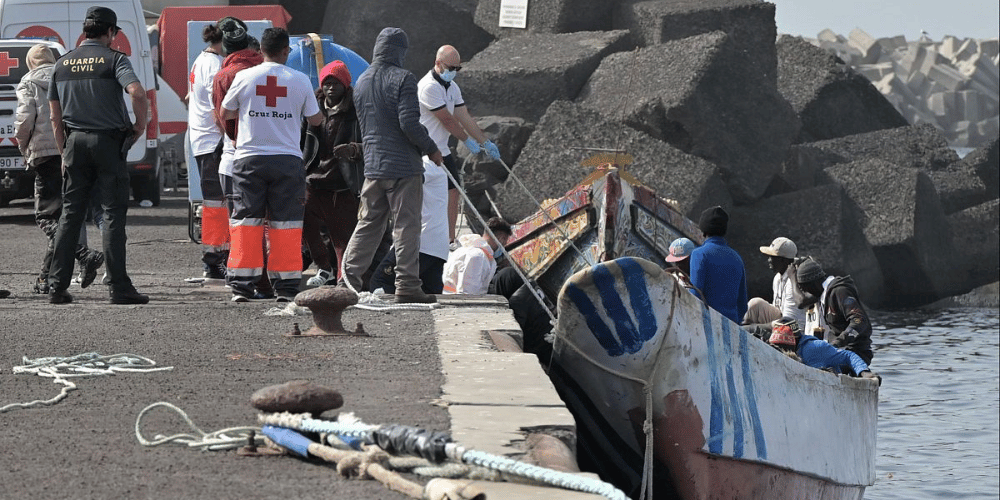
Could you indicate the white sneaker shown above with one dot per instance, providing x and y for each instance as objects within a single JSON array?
[
  {"x": 323, "y": 277},
  {"x": 240, "y": 298},
  {"x": 145, "y": 203}
]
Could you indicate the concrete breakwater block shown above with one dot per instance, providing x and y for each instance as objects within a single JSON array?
[
  {"x": 549, "y": 16},
  {"x": 830, "y": 98},
  {"x": 750, "y": 24},
  {"x": 959, "y": 188},
  {"x": 296, "y": 396},
  {"x": 550, "y": 166},
  {"x": 356, "y": 23},
  {"x": 985, "y": 162},
  {"x": 921, "y": 146},
  {"x": 827, "y": 229},
  {"x": 521, "y": 76},
  {"x": 700, "y": 95},
  {"x": 976, "y": 232},
  {"x": 902, "y": 219}
]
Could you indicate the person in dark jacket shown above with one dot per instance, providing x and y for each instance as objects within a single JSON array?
[
  {"x": 787, "y": 337},
  {"x": 393, "y": 140},
  {"x": 334, "y": 176},
  {"x": 837, "y": 300},
  {"x": 717, "y": 270}
]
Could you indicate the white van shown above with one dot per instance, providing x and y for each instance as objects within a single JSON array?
[{"x": 62, "y": 21}]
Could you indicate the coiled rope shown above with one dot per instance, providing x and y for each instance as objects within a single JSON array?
[
  {"x": 90, "y": 364},
  {"x": 222, "y": 439}
]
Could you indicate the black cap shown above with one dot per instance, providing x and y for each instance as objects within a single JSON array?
[
  {"x": 102, "y": 15},
  {"x": 234, "y": 34},
  {"x": 714, "y": 221},
  {"x": 810, "y": 270}
]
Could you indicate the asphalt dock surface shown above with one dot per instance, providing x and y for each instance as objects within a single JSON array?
[{"x": 431, "y": 369}]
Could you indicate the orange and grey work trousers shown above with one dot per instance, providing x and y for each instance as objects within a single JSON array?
[
  {"x": 271, "y": 187},
  {"x": 214, "y": 216},
  {"x": 402, "y": 199}
]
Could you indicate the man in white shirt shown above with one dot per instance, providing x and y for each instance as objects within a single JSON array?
[
  {"x": 270, "y": 100},
  {"x": 780, "y": 255},
  {"x": 471, "y": 267},
  {"x": 444, "y": 113},
  {"x": 206, "y": 138}
]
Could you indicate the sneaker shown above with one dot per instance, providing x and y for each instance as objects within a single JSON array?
[
  {"x": 415, "y": 298},
  {"x": 145, "y": 203},
  {"x": 4, "y": 294},
  {"x": 41, "y": 286},
  {"x": 323, "y": 277},
  {"x": 91, "y": 264},
  {"x": 239, "y": 298},
  {"x": 130, "y": 297},
  {"x": 284, "y": 298},
  {"x": 60, "y": 297},
  {"x": 263, "y": 296},
  {"x": 105, "y": 280}
]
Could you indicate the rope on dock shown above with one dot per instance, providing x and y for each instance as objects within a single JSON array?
[{"x": 90, "y": 364}]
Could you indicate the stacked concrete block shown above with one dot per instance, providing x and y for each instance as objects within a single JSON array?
[
  {"x": 903, "y": 222},
  {"x": 356, "y": 23},
  {"x": 985, "y": 162},
  {"x": 549, "y": 16},
  {"x": 700, "y": 95},
  {"x": 749, "y": 23},
  {"x": 550, "y": 163},
  {"x": 822, "y": 222},
  {"x": 959, "y": 188},
  {"x": 922, "y": 147},
  {"x": 951, "y": 84},
  {"x": 976, "y": 233},
  {"x": 831, "y": 99},
  {"x": 520, "y": 76}
]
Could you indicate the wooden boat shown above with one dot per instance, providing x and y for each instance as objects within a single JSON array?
[
  {"x": 607, "y": 215},
  {"x": 728, "y": 416}
]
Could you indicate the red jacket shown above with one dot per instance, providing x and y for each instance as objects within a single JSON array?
[{"x": 232, "y": 64}]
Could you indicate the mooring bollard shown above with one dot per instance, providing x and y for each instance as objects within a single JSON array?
[{"x": 327, "y": 303}]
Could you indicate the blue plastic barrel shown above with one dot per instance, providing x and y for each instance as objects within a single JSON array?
[{"x": 303, "y": 57}]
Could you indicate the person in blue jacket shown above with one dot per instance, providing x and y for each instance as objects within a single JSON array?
[
  {"x": 787, "y": 337},
  {"x": 717, "y": 270}
]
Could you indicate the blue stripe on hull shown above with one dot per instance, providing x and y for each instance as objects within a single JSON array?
[
  {"x": 594, "y": 321},
  {"x": 604, "y": 281},
  {"x": 748, "y": 389},
  {"x": 715, "y": 423},
  {"x": 734, "y": 396},
  {"x": 642, "y": 306}
]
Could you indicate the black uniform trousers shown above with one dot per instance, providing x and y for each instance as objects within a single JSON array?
[{"x": 94, "y": 167}]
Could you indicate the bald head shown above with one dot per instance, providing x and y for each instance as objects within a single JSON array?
[{"x": 447, "y": 58}]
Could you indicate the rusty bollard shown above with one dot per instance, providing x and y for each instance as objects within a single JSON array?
[{"x": 327, "y": 303}]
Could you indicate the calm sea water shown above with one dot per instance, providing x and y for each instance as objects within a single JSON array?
[{"x": 939, "y": 404}]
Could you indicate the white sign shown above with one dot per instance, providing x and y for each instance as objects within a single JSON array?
[{"x": 513, "y": 13}]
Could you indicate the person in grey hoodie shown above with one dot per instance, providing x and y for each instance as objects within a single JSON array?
[
  {"x": 37, "y": 142},
  {"x": 393, "y": 141}
]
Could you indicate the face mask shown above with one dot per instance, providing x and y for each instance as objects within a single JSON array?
[
  {"x": 448, "y": 75},
  {"x": 498, "y": 253}
]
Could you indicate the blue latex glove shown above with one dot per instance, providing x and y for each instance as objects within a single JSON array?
[
  {"x": 492, "y": 150},
  {"x": 472, "y": 145}
]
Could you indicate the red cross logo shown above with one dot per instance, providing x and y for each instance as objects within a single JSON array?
[
  {"x": 272, "y": 91},
  {"x": 6, "y": 63}
]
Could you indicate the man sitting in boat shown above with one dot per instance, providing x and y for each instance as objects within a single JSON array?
[
  {"x": 471, "y": 267},
  {"x": 717, "y": 270},
  {"x": 678, "y": 263},
  {"x": 780, "y": 255},
  {"x": 836, "y": 301},
  {"x": 787, "y": 337}
]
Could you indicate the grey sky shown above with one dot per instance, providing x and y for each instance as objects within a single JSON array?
[{"x": 883, "y": 18}]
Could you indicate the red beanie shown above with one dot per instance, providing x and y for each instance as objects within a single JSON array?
[{"x": 338, "y": 70}]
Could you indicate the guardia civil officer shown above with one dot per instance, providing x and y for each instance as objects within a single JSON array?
[{"x": 93, "y": 133}]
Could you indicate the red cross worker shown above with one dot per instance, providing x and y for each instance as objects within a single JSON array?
[{"x": 270, "y": 101}]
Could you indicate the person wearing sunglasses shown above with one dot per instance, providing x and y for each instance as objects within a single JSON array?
[{"x": 444, "y": 113}]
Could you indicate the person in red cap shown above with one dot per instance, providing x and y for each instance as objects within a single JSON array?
[
  {"x": 334, "y": 176},
  {"x": 787, "y": 337}
]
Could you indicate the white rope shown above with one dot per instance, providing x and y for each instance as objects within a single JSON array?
[
  {"x": 89, "y": 364},
  {"x": 222, "y": 439}
]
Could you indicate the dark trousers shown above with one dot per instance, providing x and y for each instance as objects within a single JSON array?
[
  {"x": 94, "y": 167},
  {"x": 431, "y": 270},
  {"x": 338, "y": 212},
  {"x": 48, "y": 208}
]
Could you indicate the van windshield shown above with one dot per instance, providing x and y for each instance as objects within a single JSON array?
[{"x": 13, "y": 65}]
